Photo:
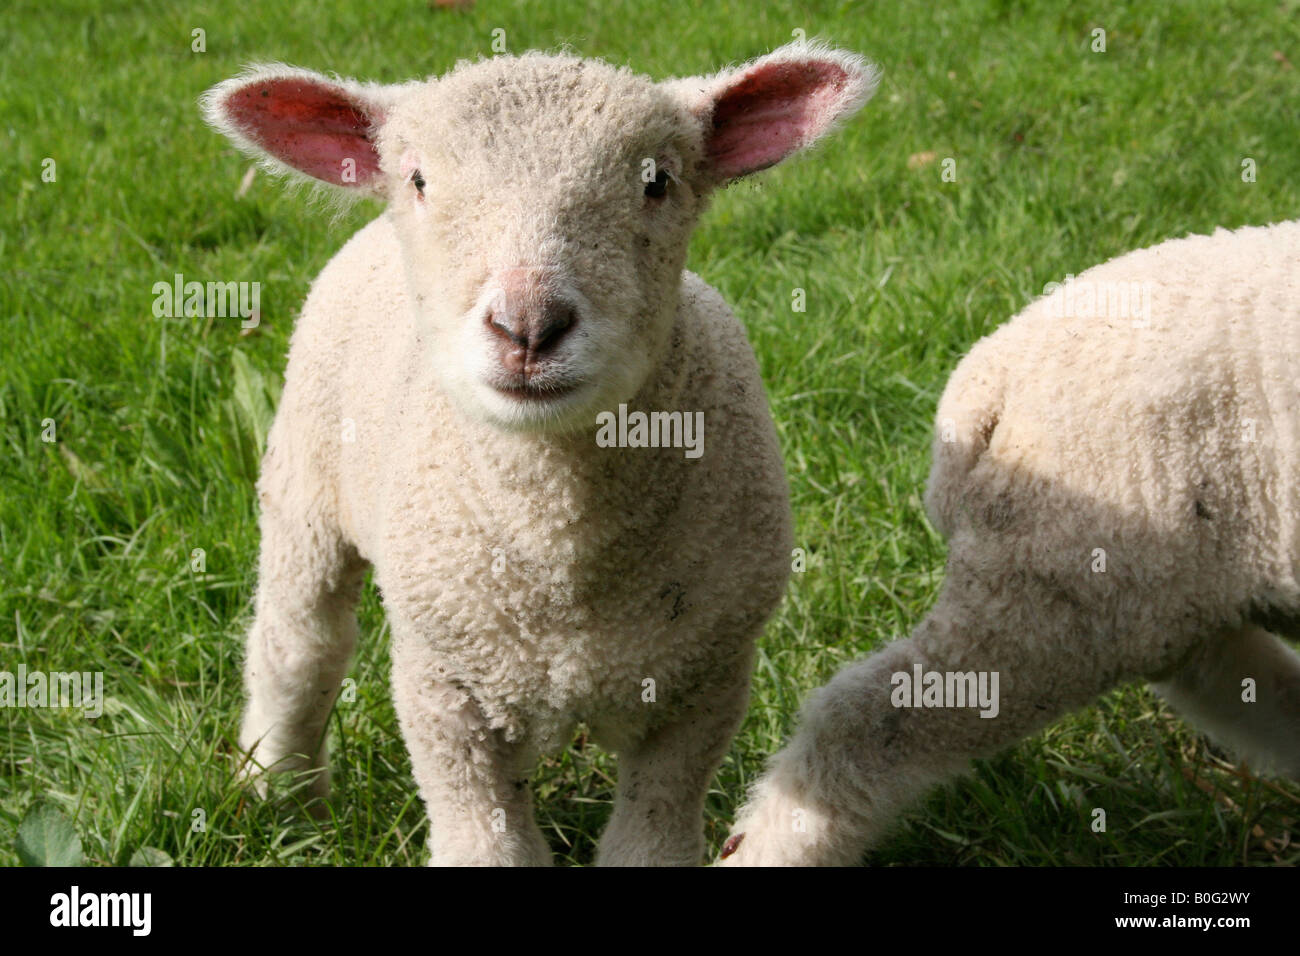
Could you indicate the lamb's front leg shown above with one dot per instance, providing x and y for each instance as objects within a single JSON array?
[
  {"x": 658, "y": 817},
  {"x": 299, "y": 645},
  {"x": 474, "y": 783}
]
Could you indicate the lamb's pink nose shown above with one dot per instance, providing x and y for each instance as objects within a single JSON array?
[{"x": 528, "y": 318}]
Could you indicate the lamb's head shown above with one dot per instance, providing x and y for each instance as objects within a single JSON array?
[{"x": 544, "y": 204}]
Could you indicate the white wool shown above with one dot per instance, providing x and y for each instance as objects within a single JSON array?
[{"x": 1119, "y": 482}]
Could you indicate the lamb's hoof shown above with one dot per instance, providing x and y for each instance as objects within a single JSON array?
[
  {"x": 287, "y": 782},
  {"x": 252, "y": 777},
  {"x": 731, "y": 846}
]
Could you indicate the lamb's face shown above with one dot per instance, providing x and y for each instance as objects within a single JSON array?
[
  {"x": 544, "y": 204},
  {"x": 544, "y": 207}
]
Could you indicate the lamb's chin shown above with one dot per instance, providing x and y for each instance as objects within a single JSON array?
[{"x": 540, "y": 413}]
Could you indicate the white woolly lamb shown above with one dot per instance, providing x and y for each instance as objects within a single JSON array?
[
  {"x": 439, "y": 423},
  {"x": 1117, "y": 471}
]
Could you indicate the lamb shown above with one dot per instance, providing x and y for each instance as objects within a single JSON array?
[
  {"x": 439, "y": 424},
  {"x": 1117, "y": 473}
]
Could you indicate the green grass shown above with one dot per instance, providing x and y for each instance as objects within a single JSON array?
[{"x": 1065, "y": 157}]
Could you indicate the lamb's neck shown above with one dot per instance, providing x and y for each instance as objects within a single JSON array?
[{"x": 566, "y": 497}]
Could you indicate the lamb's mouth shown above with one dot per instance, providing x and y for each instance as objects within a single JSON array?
[{"x": 522, "y": 390}]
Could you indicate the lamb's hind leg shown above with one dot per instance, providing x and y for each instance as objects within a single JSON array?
[
  {"x": 1261, "y": 727},
  {"x": 861, "y": 755},
  {"x": 301, "y": 641}
]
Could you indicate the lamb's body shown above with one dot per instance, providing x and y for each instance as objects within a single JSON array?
[
  {"x": 572, "y": 620},
  {"x": 524, "y": 613},
  {"x": 1162, "y": 448}
]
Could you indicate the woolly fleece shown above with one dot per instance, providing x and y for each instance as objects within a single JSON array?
[{"x": 1121, "y": 499}]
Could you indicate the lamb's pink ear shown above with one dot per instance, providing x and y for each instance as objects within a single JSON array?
[
  {"x": 295, "y": 120},
  {"x": 759, "y": 114}
]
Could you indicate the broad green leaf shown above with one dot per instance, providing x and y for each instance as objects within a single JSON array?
[
  {"x": 47, "y": 838},
  {"x": 150, "y": 856}
]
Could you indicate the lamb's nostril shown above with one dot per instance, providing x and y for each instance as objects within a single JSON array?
[
  {"x": 529, "y": 320},
  {"x": 503, "y": 327},
  {"x": 556, "y": 321}
]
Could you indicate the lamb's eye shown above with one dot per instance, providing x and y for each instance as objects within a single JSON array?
[
  {"x": 659, "y": 188},
  {"x": 418, "y": 181}
]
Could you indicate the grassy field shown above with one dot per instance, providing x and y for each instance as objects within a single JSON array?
[{"x": 1064, "y": 157}]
